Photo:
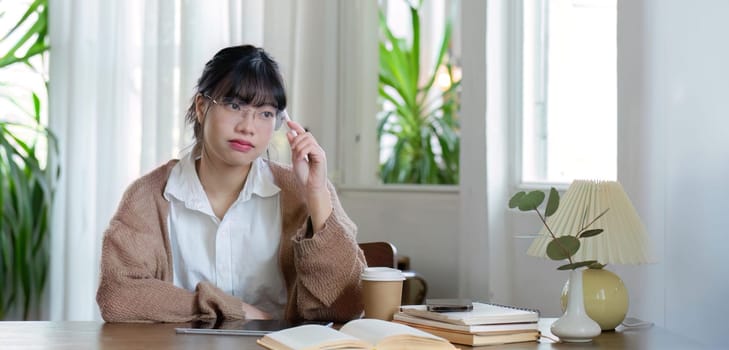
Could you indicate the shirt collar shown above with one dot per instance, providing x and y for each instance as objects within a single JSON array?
[
  {"x": 185, "y": 186},
  {"x": 259, "y": 182}
]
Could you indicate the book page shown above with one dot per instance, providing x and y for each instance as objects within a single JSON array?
[
  {"x": 374, "y": 331},
  {"x": 312, "y": 337}
]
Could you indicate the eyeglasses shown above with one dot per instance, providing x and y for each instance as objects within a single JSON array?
[{"x": 262, "y": 116}]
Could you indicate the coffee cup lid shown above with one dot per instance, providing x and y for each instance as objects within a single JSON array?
[{"x": 382, "y": 274}]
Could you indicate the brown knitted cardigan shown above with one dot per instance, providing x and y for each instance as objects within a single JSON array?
[{"x": 321, "y": 273}]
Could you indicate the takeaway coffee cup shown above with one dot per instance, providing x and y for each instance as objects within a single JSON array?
[{"x": 381, "y": 292}]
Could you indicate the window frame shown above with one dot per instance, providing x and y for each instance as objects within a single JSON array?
[{"x": 357, "y": 158}]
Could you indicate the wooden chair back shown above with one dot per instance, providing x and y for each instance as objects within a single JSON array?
[
  {"x": 384, "y": 254},
  {"x": 379, "y": 254}
]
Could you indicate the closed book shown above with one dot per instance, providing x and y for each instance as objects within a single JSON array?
[
  {"x": 483, "y": 339},
  {"x": 481, "y": 328},
  {"x": 481, "y": 314}
]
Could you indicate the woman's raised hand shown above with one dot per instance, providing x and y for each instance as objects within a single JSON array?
[{"x": 310, "y": 166}]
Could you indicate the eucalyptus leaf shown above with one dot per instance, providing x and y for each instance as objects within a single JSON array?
[
  {"x": 576, "y": 265},
  {"x": 531, "y": 201},
  {"x": 563, "y": 247},
  {"x": 590, "y": 233},
  {"x": 516, "y": 199},
  {"x": 552, "y": 202},
  {"x": 596, "y": 266}
]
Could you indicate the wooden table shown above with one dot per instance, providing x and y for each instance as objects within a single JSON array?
[{"x": 98, "y": 335}]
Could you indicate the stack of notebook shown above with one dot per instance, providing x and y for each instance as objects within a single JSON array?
[{"x": 485, "y": 324}]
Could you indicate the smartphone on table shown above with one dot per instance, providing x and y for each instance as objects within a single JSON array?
[{"x": 449, "y": 305}]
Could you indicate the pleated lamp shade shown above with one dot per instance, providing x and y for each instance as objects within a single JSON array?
[{"x": 624, "y": 239}]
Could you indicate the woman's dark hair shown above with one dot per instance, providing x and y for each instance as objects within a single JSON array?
[{"x": 245, "y": 72}]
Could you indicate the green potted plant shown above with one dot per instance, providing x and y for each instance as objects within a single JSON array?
[
  {"x": 423, "y": 119},
  {"x": 26, "y": 181},
  {"x": 575, "y": 325}
]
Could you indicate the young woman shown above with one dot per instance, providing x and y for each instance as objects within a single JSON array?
[{"x": 225, "y": 233}]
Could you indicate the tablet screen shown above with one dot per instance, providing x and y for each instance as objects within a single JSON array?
[{"x": 239, "y": 327}]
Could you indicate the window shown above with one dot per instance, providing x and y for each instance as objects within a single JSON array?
[
  {"x": 569, "y": 90},
  {"x": 417, "y": 127}
]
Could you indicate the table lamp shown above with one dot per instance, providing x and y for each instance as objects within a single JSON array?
[{"x": 623, "y": 241}]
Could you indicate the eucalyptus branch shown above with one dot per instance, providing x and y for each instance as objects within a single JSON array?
[
  {"x": 560, "y": 247},
  {"x": 564, "y": 249},
  {"x": 544, "y": 221},
  {"x": 593, "y": 220}
]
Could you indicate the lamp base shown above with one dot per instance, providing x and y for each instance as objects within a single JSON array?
[{"x": 605, "y": 295}]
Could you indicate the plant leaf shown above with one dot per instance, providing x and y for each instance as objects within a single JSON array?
[
  {"x": 25, "y": 16},
  {"x": 596, "y": 265},
  {"x": 531, "y": 201},
  {"x": 37, "y": 28},
  {"x": 552, "y": 202},
  {"x": 563, "y": 247},
  {"x": 590, "y": 233},
  {"x": 516, "y": 199},
  {"x": 577, "y": 265},
  {"x": 26, "y": 188},
  {"x": 36, "y": 108},
  {"x": 445, "y": 43},
  {"x": 415, "y": 51},
  {"x": 427, "y": 147}
]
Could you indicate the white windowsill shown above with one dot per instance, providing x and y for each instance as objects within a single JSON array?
[
  {"x": 401, "y": 188},
  {"x": 544, "y": 186}
]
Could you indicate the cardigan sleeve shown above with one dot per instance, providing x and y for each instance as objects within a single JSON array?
[
  {"x": 136, "y": 273},
  {"x": 131, "y": 290},
  {"x": 328, "y": 267}
]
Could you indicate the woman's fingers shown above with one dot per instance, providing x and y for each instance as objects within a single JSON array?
[
  {"x": 296, "y": 127},
  {"x": 298, "y": 137},
  {"x": 307, "y": 157},
  {"x": 305, "y": 145}
]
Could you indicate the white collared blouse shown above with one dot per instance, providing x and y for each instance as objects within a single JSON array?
[{"x": 239, "y": 253}]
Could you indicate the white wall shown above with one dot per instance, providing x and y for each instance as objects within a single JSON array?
[
  {"x": 422, "y": 225},
  {"x": 673, "y": 83}
]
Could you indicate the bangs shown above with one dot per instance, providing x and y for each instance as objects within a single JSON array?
[{"x": 255, "y": 84}]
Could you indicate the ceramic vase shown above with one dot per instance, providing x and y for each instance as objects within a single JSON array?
[
  {"x": 606, "y": 298},
  {"x": 575, "y": 325}
]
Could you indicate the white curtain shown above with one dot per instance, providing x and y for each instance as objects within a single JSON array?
[{"x": 121, "y": 75}]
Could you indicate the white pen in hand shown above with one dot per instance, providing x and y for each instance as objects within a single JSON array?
[{"x": 292, "y": 132}]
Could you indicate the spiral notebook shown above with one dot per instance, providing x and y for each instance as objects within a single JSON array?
[{"x": 481, "y": 314}]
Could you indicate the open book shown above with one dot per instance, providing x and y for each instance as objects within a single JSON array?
[
  {"x": 480, "y": 315},
  {"x": 363, "y": 334}
]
